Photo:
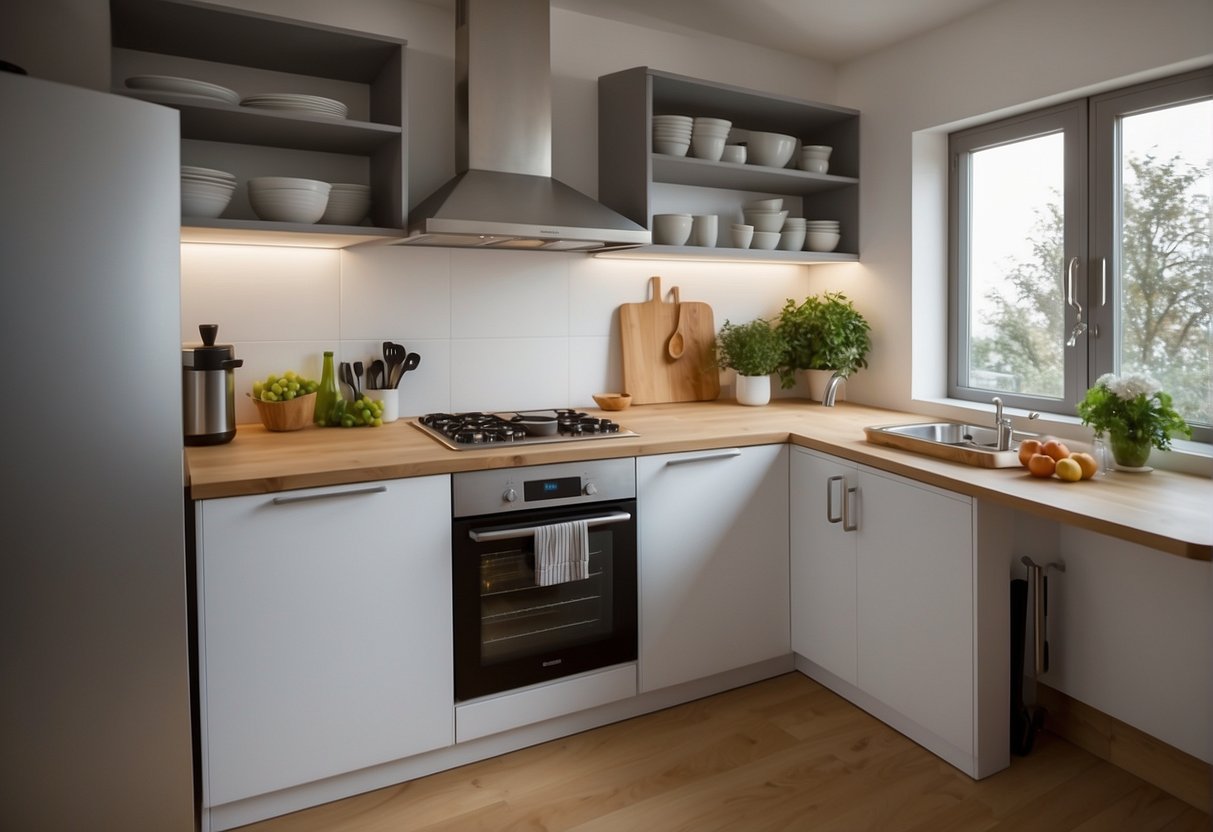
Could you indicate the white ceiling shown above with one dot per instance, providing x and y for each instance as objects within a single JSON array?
[{"x": 834, "y": 31}]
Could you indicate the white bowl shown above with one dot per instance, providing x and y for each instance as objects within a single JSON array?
[
  {"x": 707, "y": 147},
  {"x": 717, "y": 124},
  {"x": 671, "y": 148},
  {"x": 210, "y": 173},
  {"x": 671, "y": 229},
  {"x": 791, "y": 239},
  {"x": 821, "y": 241},
  {"x": 814, "y": 165},
  {"x": 821, "y": 150},
  {"x": 288, "y": 204},
  {"x": 346, "y": 207},
  {"x": 766, "y": 240},
  {"x": 772, "y": 150},
  {"x": 734, "y": 153},
  {"x": 196, "y": 204},
  {"x": 774, "y": 204},
  {"x": 258, "y": 183},
  {"x": 742, "y": 235},
  {"x": 766, "y": 221}
]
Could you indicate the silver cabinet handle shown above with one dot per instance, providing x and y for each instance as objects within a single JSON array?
[
  {"x": 686, "y": 460},
  {"x": 304, "y": 498},
  {"x": 830, "y": 483},
  {"x": 847, "y": 514},
  {"x": 509, "y": 533}
]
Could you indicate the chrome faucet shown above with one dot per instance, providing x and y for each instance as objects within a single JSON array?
[
  {"x": 1002, "y": 425},
  {"x": 827, "y": 400}
]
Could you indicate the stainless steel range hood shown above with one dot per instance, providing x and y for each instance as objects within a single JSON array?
[{"x": 504, "y": 195}]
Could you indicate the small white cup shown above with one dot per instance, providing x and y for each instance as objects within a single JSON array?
[
  {"x": 815, "y": 165},
  {"x": 742, "y": 236},
  {"x": 390, "y": 399},
  {"x": 734, "y": 153},
  {"x": 703, "y": 230}
]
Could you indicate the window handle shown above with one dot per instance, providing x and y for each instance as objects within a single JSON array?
[
  {"x": 1071, "y": 301},
  {"x": 1103, "y": 281}
]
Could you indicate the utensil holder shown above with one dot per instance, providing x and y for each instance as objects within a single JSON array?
[{"x": 390, "y": 400}]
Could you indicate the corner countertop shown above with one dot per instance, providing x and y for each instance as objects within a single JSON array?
[{"x": 1162, "y": 510}]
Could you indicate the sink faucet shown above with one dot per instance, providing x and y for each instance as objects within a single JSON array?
[
  {"x": 1002, "y": 425},
  {"x": 827, "y": 400}
]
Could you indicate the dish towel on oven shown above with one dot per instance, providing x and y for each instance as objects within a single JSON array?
[{"x": 562, "y": 553}]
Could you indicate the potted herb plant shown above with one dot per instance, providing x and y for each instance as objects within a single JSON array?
[
  {"x": 824, "y": 335},
  {"x": 1136, "y": 415},
  {"x": 754, "y": 350}
]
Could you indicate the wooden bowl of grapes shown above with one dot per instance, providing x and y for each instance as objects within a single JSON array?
[{"x": 286, "y": 415}]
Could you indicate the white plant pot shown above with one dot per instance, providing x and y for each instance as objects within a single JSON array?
[
  {"x": 753, "y": 390},
  {"x": 818, "y": 381}
]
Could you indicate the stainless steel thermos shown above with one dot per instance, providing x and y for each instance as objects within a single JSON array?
[{"x": 208, "y": 385}]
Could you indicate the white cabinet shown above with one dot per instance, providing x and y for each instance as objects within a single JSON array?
[
  {"x": 883, "y": 595},
  {"x": 713, "y": 550},
  {"x": 324, "y": 632}
]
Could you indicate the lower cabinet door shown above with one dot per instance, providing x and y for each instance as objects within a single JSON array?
[
  {"x": 324, "y": 632},
  {"x": 713, "y": 550},
  {"x": 915, "y": 594}
]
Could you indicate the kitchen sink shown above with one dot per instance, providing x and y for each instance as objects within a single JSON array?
[{"x": 955, "y": 441}]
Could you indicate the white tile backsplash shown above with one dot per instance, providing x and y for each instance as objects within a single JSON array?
[{"x": 495, "y": 330}]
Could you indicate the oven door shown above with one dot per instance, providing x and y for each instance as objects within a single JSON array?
[{"x": 510, "y": 633}]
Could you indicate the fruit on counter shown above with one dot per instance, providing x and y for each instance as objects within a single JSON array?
[
  {"x": 1041, "y": 465},
  {"x": 362, "y": 412},
  {"x": 283, "y": 388},
  {"x": 1068, "y": 470},
  {"x": 1086, "y": 462},
  {"x": 1056, "y": 449},
  {"x": 1027, "y": 448}
]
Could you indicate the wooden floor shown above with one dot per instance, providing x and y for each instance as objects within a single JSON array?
[{"x": 785, "y": 754}]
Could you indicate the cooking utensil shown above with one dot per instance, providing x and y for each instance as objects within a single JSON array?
[
  {"x": 648, "y": 373},
  {"x": 358, "y": 369},
  {"x": 677, "y": 344},
  {"x": 374, "y": 375},
  {"x": 535, "y": 424},
  {"x": 410, "y": 363},
  {"x": 345, "y": 372},
  {"x": 393, "y": 356}
]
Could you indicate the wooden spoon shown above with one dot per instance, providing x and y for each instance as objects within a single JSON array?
[{"x": 677, "y": 343}]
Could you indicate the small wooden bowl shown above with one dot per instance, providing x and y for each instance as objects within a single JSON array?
[
  {"x": 613, "y": 401},
  {"x": 290, "y": 415}
]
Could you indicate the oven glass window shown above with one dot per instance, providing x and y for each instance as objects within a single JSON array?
[{"x": 518, "y": 618}]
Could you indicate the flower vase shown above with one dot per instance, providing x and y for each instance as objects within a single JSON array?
[{"x": 1130, "y": 451}]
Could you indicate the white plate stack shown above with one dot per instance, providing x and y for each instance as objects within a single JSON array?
[
  {"x": 672, "y": 134},
  {"x": 183, "y": 88},
  {"x": 205, "y": 192},
  {"x": 288, "y": 199},
  {"x": 314, "y": 105},
  {"x": 821, "y": 235},
  {"x": 708, "y": 136},
  {"x": 348, "y": 204}
]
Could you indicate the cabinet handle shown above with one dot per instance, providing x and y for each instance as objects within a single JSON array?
[
  {"x": 847, "y": 525},
  {"x": 304, "y": 498},
  {"x": 686, "y": 460},
  {"x": 830, "y": 483},
  {"x": 510, "y": 533}
]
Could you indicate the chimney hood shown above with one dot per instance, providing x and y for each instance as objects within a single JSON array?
[{"x": 504, "y": 195}]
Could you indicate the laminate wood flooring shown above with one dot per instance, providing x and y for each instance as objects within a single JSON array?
[{"x": 784, "y": 754}]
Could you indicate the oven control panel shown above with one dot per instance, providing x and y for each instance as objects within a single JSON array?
[{"x": 539, "y": 486}]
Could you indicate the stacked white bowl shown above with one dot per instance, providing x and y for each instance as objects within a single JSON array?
[
  {"x": 822, "y": 235},
  {"x": 205, "y": 192},
  {"x": 671, "y": 229},
  {"x": 741, "y": 234},
  {"x": 288, "y": 198},
  {"x": 791, "y": 238},
  {"x": 772, "y": 150},
  {"x": 708, "y": 136},
  {"x": 348, "y": 204},
  {"x": 767, "y": 217},
  {"x": 672, "y": 134},
  {"x": 815, "y": 157}
]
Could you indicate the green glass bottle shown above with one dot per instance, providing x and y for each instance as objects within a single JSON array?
[{"x": 327, "y": 395}]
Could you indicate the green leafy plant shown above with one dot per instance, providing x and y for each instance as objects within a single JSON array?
[
  {"x": 753, "y": 349},
  {"x": 1132, "y": 407},
  {"x": 824, "y": 332}
]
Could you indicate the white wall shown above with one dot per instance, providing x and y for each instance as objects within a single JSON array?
[
  {"x": 495, "y": 330},
  {"x": 1012, "y": 56}
]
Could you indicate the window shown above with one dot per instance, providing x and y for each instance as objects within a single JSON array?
[{"x": 1080, "y": 245}]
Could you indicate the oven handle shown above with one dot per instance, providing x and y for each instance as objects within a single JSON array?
[{"x": 490, "y": 535}]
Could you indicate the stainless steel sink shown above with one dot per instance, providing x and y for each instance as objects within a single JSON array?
[{"x": 970, "y": 444}]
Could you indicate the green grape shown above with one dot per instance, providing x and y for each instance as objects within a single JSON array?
[
  {"x": 293, "y": 386},
  {"x": 269, "y": 396},
  {"x": 347, "y": 421},
  {"x": 271, "y": 378},
  {"x": 289, "y": 394},
  {"x": 376, "y": 422},
  {"x": 290, "y": 375},
  {"x": 257, "y": 388}
]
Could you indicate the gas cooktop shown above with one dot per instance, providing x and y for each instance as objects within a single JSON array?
[{"x": 468, "y": 431}]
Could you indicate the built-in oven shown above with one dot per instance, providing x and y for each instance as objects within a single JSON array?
[{"x": 510, "y": 631}]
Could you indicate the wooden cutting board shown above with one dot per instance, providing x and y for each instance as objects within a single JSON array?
[{"x": 650, "y": 374}]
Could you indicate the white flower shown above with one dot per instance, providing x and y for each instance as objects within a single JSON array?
[{"x": 1131, "y": 386}]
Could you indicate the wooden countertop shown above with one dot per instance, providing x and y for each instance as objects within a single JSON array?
[{"x": 1163, "y": 510}]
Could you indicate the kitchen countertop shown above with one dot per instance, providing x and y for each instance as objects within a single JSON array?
[{"x": 1163, "y": 510}]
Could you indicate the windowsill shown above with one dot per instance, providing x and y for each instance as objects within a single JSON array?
[{"x": 1185, "y": 457}]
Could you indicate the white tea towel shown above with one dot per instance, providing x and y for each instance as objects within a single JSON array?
[{"x": 562, "y": 553}]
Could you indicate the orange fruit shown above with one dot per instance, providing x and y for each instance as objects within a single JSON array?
[
  {"x": 1087, "y": 463},
  {"x": 1026, "y": 449},
  {"x": 1069, "y": 470},
  {"x": 1041, "y": 465},
  {"x": 1055, "y": 449}
]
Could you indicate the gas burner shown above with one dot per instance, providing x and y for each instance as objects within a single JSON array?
[{"x": 476, "y": 429}]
